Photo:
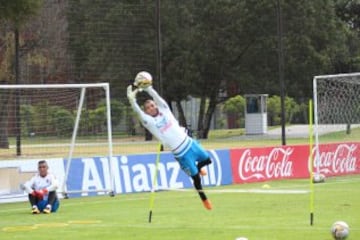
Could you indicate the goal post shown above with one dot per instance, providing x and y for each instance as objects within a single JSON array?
[
  {"x": 59, "y": 121},
  {"x": 336, "y": 110}
]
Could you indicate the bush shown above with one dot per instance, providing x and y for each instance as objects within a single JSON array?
[
  {"x": 235, "y": 109},
  {"x": 45, "y": 119},
  {"x": 62, "y": 120},
  {"x": 292, "y": 109},
  {"x": 27, "y": 113}
]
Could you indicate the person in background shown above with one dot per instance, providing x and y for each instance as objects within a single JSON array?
[{"x": 41, "y": 190}]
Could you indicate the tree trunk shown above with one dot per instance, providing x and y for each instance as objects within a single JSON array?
[
  {"x": 4, "y": 142},
  {"x": 200, "y": 126},
  {"x": 182, "y": 118},
  {"x": 4, "y": 98},
  {"x": 208, "y": 116},
  {"x": 348, "y": 128}
]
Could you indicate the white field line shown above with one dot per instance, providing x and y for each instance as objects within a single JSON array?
[
  {"x": 261, "y": 191},
  {"x": 305, "y": 185}
]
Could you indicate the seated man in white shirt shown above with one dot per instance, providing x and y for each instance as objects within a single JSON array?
[{"x": 42, "y": 190}]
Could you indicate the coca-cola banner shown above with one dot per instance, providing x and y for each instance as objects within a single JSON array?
[
  {"x": 270, "y": 163},
  {"x": 337, "y": 159}
]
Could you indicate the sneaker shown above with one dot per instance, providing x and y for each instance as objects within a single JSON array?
[
  {"x": 47, "y": 210},
  {"x": 35, "y": 210},
  {"x": 202, "y": 172},
  {"x": 207, "y": 204}
]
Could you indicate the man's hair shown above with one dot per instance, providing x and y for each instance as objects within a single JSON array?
[
  {"x": 147, "y": 101},
  {"x": 42, "y": 162}
]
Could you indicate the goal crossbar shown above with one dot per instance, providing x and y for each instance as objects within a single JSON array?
[
  {"x": 337, "y": 75},
  {"x": 37, "y": 86}
]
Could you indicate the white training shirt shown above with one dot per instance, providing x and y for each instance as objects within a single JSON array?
[
  {"x": 38, "y": 182},
  {"x": 164, "y": 126}
]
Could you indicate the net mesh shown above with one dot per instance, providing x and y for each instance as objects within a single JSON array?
[
  {"x": 338, "y": 107},
  {"x": 339, "y": 100},
  {"x": 47, "y": 119}
]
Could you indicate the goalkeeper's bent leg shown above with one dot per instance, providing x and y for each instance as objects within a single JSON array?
[
  {"x": 203, "y": 163},
  {"x": 198, "y": 187}
]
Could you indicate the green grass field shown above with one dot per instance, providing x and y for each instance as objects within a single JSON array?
[
  {"x": 92, "y": 146},
  {"x": 238, "y": 212}
]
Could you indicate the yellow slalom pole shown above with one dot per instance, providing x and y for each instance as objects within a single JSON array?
[
  {"x": 311, "y": 163},
  {"x": 154, "y": 183}
]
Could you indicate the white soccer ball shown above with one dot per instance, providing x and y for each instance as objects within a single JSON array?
[
  {"x": 318, "y": 178},
  {"x": 143, "y": 79},
  {"x": 340, "y": 230}
]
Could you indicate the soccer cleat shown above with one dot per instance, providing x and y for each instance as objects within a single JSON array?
[
  {"x": 47, "y": 210},
  {"x": 202, "y": 172},
  {"x": 207, "y": 204},
  {"x": 35, "y": 210}
]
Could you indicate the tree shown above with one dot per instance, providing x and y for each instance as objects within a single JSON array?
[
  {"x": 178, "y": 66},
  {"x": 274, "y": 109},
  {"x": 314, "y": 39},
  {"x": 235, "y": 107},
  {"x": 6, "y": 76},
  {"x": 218, "y": 46},
  {"x": 111, "y": 40},
  {"x": 17, "y": 12},
  {"x": 212, "y": 49},
  {"x": 349, "y": 13},
  {"x": 14, "y": 13},
  {"x": 228, "y": 45}
]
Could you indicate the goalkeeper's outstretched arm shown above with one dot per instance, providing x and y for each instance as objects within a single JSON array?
[{"x": 134, "y": 105}]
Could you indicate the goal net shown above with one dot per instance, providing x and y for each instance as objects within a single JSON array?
[
  {"x": 57, "y": 121},
  {"x": 336, "y": 118}
]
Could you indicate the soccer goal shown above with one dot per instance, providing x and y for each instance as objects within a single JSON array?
[
  {"x": 64, "y": 121},
  {"x": 336, "y": 118}
]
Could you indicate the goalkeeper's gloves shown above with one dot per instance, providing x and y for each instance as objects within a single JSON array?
[
  {"x": 131, "y": 94},
  {"x": 40, "y": 193},
  {"x": 143, "y": 85},
  {"x": 147, "y": 88}
]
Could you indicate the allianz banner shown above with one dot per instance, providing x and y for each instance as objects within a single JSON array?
[
  {"x": 135, "y": 173},
  {"x": 288, "y": 162}
]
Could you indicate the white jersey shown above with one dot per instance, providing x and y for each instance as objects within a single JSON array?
[
  {"x": 38, "y": 182},
  {"x": 164, "y": 126}
]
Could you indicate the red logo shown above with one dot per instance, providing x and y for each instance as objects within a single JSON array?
[
  {"x": 263, "y": 164},
  {"x": 276, "y": 164},
  {"x": 333, "y": 159}
]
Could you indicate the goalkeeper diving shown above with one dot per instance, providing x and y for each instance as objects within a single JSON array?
[{"x": 159, "y": 120}]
